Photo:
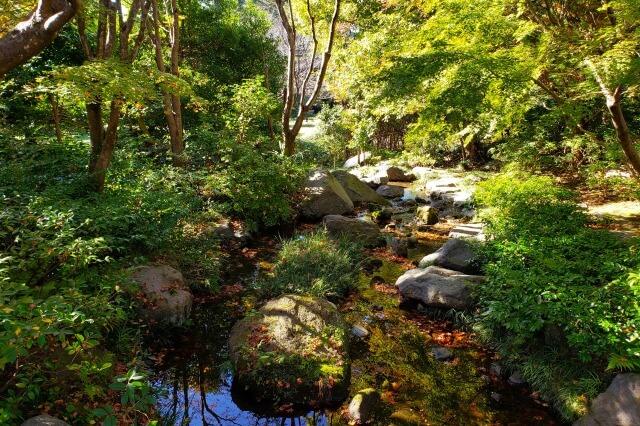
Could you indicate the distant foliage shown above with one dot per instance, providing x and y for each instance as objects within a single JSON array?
[
  {"x": 313, "y": 264},
  {"x": 552, "y": 275}
]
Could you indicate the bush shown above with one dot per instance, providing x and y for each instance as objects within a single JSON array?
[
  {"x": 554, "y": 282},
  {"x": 313, "y": 264}
]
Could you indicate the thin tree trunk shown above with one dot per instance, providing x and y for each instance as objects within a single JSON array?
[
  {"x": 618, "y": 120},
  {"x": 622, "y": 130},
  {"x": 289, "y": 133},
  {"x": 172, "y": 107},
  {"x": 55, "y": 109},
  {"x": 98, "y": 173},
  {"x": 96, "y": 132}
]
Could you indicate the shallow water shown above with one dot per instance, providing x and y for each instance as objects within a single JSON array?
[{"x": 194, "y": 376}]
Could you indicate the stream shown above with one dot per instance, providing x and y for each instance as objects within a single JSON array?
[{"x": 193, "y": 375}]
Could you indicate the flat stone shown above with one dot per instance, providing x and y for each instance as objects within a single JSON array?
[
  {"x": 442, "y": 354},
  {"x": 359, "y": 331},
  {"x": 44, "y": 420},
  {"x": 438, "y": 287},
  {"x": 474, "y": 231},
  {"x": 390, "y": 191}
]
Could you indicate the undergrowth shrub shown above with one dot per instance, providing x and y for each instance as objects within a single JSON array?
[
  {"x": 558, "y": 288},
  {"x": 313, "y": 264}
]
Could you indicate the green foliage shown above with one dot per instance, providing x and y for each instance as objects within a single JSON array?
[
  {"x": 249, "y": 184},
  {"x": 136, "y": 399},
  {"x": 553, "y": 281},
  {"x": 250, "y": 101},
  {"x": 334, "y": 134},
  {"x": 313, "y": 264}
]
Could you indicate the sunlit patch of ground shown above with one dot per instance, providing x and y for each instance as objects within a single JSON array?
[
  {"x": 621, "y": 216},
  {"x": 309, "y": 128}
]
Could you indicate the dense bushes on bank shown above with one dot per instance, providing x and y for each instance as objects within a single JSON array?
[{"x": 561, "y": 303}]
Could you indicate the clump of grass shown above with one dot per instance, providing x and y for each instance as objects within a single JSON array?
[{"x": 313, "y": 264}]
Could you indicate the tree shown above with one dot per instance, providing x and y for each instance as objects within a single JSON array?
[
  {"x": 171, "y": 101},
  {"x": 290, "y": 94},
  {"x": 112, "y": 53},
  {"x": 591, "y": 41},
  {"x": 36, "y": 32}
]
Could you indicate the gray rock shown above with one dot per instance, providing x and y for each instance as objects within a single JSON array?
[
  {"x": 284, "y": 331},
  {"x": 362, "y": 231},
  {"x": 356, "y": 160},
  {"x": 325, "y": 196},
  {"x": 166, "y": 291},
  {"x": 361, "y": 405},
  {"x": 399, "y": 246},
  {"x": 496, "y": 369},
  {"x": 228, "y": 232},
  {"x": 619, "y": 405},
  {"x": 44, "y": 420},
  {"x": 376, "y": 180},
  {"x": 438, "y": 287},
  {"x": 382, "y": 215},
  {"x": 442, "y": 354},
  {"x": 390, "y": 191},
  {"x": 455, "y": 254},
  {"x": 421, "y": 201},
  {"x": 474, "y": 231},
  {"x": 396, "y": 174},
  {"x": 458, "y": 199},
  {"x": 516, "y": 379},
  {"x": 359, "y": 331},
  {"x": 358, "y": 191},
  {"x": 427, "y": 214},
  {"x": 405, "y": 417}
]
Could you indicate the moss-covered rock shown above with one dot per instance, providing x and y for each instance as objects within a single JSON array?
[{"x": 292, "y": 350}]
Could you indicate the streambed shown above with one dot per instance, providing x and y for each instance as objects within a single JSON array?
[{"x": 193, "y": 373}]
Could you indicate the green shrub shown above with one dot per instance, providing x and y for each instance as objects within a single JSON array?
[
  {"x": 313, "y": 264},
  {"x": 550, "y": 274}
]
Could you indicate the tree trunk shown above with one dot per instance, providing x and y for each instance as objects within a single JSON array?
[
  {"x": 55, "y": 109},
  {"x": 172, "y": 104},
  {"x": 99, "y": 167},
  {"x": 32, "y": 35},
  {"x": 96, "y": 132},
  {"x": 289, "y": 133},
  {"x": 622, "y": 130},
  {"x": 617, "y": 118}
]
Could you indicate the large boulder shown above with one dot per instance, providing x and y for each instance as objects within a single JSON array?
[
  {"x": 292, "y": 350},
  {"x": 390, "y": 191},
  {"x": 438, "y": 287},
  {"x": 166, "y": 291},
  {"x": 325, "y": 196},
  {"x": 619, "y": 405},
  {"x": 44, "y": 420},
  {"x": 456, "y": 254},
  {"x": 358, "y": 191},
  {"x": 356, "y": 160},
  {"x": 367, "y": 233}
]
